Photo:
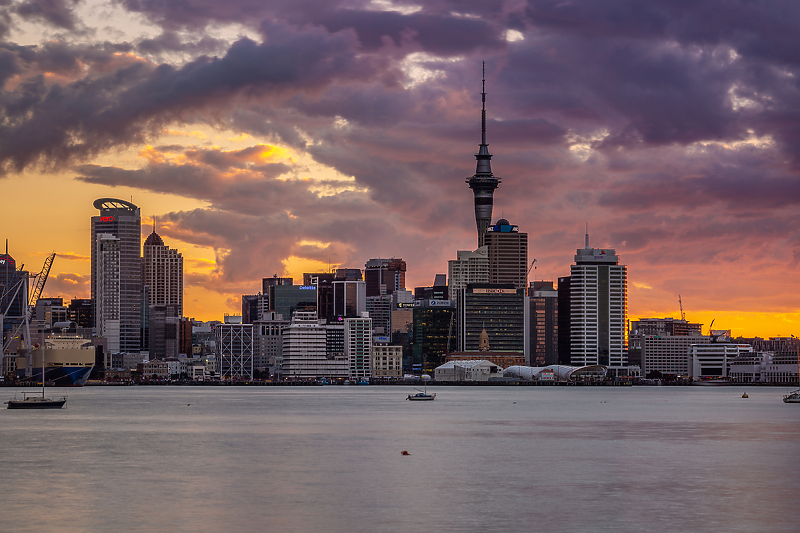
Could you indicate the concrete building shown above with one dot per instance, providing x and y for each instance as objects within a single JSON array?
[
  {"x": 121, "y": 220},
  {"x": 384, "y": 276},
  {"x": 437, "y": 291},
  {"x": 162, "y": 272},
  {"x": 661, "y": 346},
  {"x": 564, "y": 316},
  {"x": 501, "y": 310},
  {"x": 543, "y": 323},
  {"x": 508, "y": 254},
  {"x": 468, "y": 267},
  {"x": 387, "y": 361},
  {"x": 106, "y": 292},
  {"x": 358, "y": 346},
  {"x": 305, "y": 354},
  {"x": 268, "y": 350},
  {"x": 234, "y": 344},
  {"x": 598, "y": 309},
  {"x": 713, "y": 361}
]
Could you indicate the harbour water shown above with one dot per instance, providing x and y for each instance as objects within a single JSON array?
[{"x": 328, "y": 459}]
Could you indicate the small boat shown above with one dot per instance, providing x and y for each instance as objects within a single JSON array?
[
  {"x": 745, "y": 395},
  {"x": 363, "y": 381},
  {"x": 421, "y": 397},
  {"x": 792, "y": 397},
  {"x": 37, "y": 402}
]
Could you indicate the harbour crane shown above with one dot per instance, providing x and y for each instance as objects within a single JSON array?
[
  {"x": 680, "y": 303},
  {"x": 40, "y": 279}
]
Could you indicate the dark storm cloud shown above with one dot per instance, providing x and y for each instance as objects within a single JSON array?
[
  {"x": 172, "y": 42},
  {"x": 56, "y": 123},
  {"x": 58, "y": 13}
]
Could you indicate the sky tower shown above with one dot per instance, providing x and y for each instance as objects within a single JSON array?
[{"x": 483, "y": 183}]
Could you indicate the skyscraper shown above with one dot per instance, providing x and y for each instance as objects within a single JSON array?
[
  {"x": 162, "y": 271},
  {"x": 598, "y": 308},
  {"x": 508, "y": 254},
  {"x": 469, "y": 267},
  {"x": 121, "y": 219},
  {"x": 544, "y": 323},
  {"x": 384, "y": 276},
  {"x": 106, "y": 290},
  {"x": 483, "y": 183}
]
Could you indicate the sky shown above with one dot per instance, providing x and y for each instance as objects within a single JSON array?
[{"x": 288, "y": 137}]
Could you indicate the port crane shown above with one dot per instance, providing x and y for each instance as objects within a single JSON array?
[{"x": 39, "y": 279}]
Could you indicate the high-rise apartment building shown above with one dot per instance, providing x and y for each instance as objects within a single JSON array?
[
  {"x": 508, "y": 254},
  {"x": 384, "y": 276},
  {"x": 121, "y": 220},
  {"x": 598, "y": 308},
  {"x": 162, "y": 272},
  {"x": 468, "y": 267}
]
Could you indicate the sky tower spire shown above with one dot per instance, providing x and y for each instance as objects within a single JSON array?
[{"x": 483, "y": 183}]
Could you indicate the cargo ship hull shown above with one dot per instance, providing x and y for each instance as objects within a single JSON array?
[{"x": 64, "y": 376}]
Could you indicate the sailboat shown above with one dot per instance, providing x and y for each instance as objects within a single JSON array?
[
  {"x": 422, "y": 396},
  {"x": 794, "y": 397}
]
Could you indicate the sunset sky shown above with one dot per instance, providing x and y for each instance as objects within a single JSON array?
[{"x": 284, "y": 137}]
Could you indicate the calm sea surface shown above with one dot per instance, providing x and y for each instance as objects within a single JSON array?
[{"x": 327, "y": 459}]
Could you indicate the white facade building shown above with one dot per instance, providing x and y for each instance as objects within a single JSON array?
[
  {"x": 470, "y": 370},
  {"x": 162, "y": 272},
  {"x": 305, "y": 349},
  {"x": 358, "y": 346},
  {"x": 714, "y": 360},
  {"x": 599, "y": 309}
]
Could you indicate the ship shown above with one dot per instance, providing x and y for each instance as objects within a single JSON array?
[{"x": 69, "y": 360}]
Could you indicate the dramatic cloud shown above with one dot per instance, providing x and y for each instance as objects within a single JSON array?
[{"x": 311, "y": 132}]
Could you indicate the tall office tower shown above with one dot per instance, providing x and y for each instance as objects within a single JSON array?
[
  {"x": 502, "y": 310},
  {"x": 358, "y": 346},
  {"x": 434, "y": 333},
  {"x": 121, "y": 219},
  {"x": 380, "y": 311},
  {"x": 163, "y": 330},
  {"x": 508, "y": 254},
  {"x": 234, "y": 345},
  {"x": 250, "y": 310},
  {"x": 469, "y": 267},
  {"x": 323, "y": 281},
  {"x": 349, "y": 298},
  {"x": 106, "y": 290},
  {"x": 599, "y": 308},
  {"x": 162, "y": 272},
  {"x": 564, "y": 313},
  {"x": 544, "y": 323},
  {"x": 267, "y": 283},
  {"x": 384, "y": 276},
  {"x": 81, "y": 311},
  {"x": 483, "y": 183}
]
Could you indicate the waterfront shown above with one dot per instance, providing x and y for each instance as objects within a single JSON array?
[{"x": 328, "y": 459}]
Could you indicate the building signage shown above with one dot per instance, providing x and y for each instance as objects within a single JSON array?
[
  {"x": 106, "y": 219},
  {"x": 439, "y": 303},
  {"x": 382, "y": 339},
  {"x": 402, "y": 305},
  {"x": 494, "y": 291},
  {"x": 307, "y": 287}
]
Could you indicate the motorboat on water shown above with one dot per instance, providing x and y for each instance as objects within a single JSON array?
[{"x": 792, "y": 397}]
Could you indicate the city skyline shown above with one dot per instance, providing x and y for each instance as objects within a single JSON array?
[{"x": 284, "y": 139}]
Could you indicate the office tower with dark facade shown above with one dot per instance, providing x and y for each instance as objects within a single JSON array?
[
  {"x": 564, "y": 346},
  {"x": 598, "y": 309},
  {"x": 164, "y": 326},
  {"x": 437, "y": 291},
  {"x": 483, "y": 183},
  {"x": 122, "y": 220},
  {"x": 508, "y": 254},
  {"x": 349, "y": 299},
  {"x": 81, "y": 311},
  {"x": 384, "y": 276},
  {"x": 544, "y": 323},
  {"x": 434, "y": 333},
  {"x": 502, "y": 310},
  {"x": 250, "y": 308}
]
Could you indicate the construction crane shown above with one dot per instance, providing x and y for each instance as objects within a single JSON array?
[
  {"x": 680, "y": 303},
  {"x": 33, "y": 297},
  {"x": 528, "y": 273}
]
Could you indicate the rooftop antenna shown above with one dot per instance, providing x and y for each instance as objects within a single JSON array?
[
  {"x": 483, "y": 105},
  {"x": 154, "y": 222},
  {"x": 587, "y": 235}
]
